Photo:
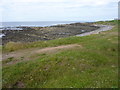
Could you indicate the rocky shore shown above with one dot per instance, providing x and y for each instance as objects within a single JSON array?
[{"x": 31, "y": 34}]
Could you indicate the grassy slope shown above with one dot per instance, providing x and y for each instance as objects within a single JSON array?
[{"x": 94, "y": 65}]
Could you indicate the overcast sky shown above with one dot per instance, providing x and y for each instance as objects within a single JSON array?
[{"x": 58, "y": 10}]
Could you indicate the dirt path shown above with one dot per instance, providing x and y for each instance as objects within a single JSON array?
[
  {"x": 33, "y": 51},
  {"x": 28, "y": 52},
  {"x": 102, "y": 28}
]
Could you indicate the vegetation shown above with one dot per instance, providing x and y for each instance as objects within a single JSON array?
[
  {"x": 32, "y": 34},
  {"x": 95, "y": 64},
  {"x": 13, "y": 46},
  {"x": 111, "y": 22}
]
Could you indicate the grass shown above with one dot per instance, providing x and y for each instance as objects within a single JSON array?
[
  {"x": 12, "y": 46},
  {"x": 111, "y": 22},
  {"x": 8, "y": 60},
  {"x": 95, "y": 65}
]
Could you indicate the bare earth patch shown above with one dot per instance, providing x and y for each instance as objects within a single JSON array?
[
  {"x": 25, "y": 54},
  {"x": 19, "y": 84}
]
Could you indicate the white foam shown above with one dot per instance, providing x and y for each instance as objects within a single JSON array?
[{"x": 1, "y": 35}]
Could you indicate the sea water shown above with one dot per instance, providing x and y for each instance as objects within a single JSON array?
[{"x": 34, "y": 24}]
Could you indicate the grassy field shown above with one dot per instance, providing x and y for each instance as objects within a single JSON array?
[{"x": 93, "y": 65}]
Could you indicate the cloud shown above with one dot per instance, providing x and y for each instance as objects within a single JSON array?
[
  {"x": 59, "y": 0},
  {"x": 84, "y": 2},
  {"x": 57, "y": 3},
  {"x": 27, "y": 1},
  {"x": 56, "y": 9}
]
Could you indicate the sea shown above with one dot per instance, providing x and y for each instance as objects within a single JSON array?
[{"x": 35, "y": 24}]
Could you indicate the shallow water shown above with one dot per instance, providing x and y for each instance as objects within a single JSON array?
[{"x": 1, "y": 35}]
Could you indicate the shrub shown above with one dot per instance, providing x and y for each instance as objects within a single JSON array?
[{"x": 12, "y": 46}]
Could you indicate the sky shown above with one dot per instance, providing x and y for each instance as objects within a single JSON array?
[{"x": 58, "y": 10}]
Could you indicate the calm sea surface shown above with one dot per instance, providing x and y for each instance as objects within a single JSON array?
[{"x": 35, "y": 24}]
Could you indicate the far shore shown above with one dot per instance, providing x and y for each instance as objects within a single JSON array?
[
  {"x": 25, "y": 34},
  {"x": 31, "y": 34}
]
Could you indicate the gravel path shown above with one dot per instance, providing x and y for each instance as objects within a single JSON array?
[{"x": 102, "y": 28}]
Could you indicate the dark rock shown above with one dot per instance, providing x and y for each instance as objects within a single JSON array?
[{"x": 31, "y": 34}]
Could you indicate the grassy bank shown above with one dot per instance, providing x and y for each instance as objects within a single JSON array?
[
  {"x": 95, "y": 64},
  {"x": 13, "y": 46}
]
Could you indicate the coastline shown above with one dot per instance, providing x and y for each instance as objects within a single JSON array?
[
  {"x": 97, "y": 31},
  {"x": 31, "y": 34}
]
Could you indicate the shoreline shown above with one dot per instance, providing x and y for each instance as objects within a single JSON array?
[
  {"x": 102, "y": 28},
  {"x": 31, "y": 34},
  {"x": 37, "y": 23}
]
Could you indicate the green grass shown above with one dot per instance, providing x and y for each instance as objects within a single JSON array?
[
  {"x": 12, "y": 46},
  {"x": 111, "y": 22},
  {"x": 93, "y": 65}
]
